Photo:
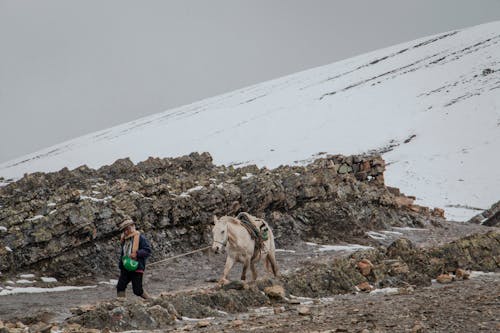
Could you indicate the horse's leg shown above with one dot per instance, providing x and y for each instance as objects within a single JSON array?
[
  {"x": 271, "y": 260},
  {"x": 245, "y": 267},
  {"x": 254, "y": 270},
  {"x": 227, "y": 268}
]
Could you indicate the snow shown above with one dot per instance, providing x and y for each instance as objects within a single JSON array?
[
  {"x": 283, "y": 250},
  {"x": 247, "y": 176},
  {"x": 24, "y": 281},
  {"x": 8, "y": 249},
  {"x": 111, "y": 282},
  {"x": 476, "y": 274},
  {"x": 376, "y": 235},
  {"x": 409, "y": 229},
  {"x": 27, "y": 276},
  {"x": 349, "y": 247},
  {"x": 196, "y": 319},
  {"x": 105, "y": 199},
  {"x": 34, "y": 218},
  {"x": 384, "y": 291},
  {"x": 2, "y": 228},
  {"x": 427, "y": 98},
  {"x": 195, "y": 189},
  {"x": 37, "y": 290},
  {"x": 48, "y": 279}
]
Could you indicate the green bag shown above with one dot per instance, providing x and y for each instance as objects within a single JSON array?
[{"x": 130, "y": 264}]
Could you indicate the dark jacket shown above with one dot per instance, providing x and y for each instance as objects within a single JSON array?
[{"x": 143, "y": 253}]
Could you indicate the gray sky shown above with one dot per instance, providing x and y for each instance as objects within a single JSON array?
[{"x": 68, "y": 68}]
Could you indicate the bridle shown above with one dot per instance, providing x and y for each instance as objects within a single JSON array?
[
  {"x": 224, "y": 243},
  {"x": 221, "y": 243}
]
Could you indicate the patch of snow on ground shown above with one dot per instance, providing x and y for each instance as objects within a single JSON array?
[
  {"x": 196, "y": 319},
  {"x": 27, "y": 276},
  {"x": 105, "y": 199},
  {"x": 2, "y": 228},
  {"x": 409, "y": 229},
  {"x": 195, "y": 189},
  {"x": 391, "y": 232},
  {"x": 264, "y": 311},
  {"x": 349, "y": 247},
  {"x": 476, "y": 274},
  {"x": 24, "y": 281},
  {"x": 111, "y": 282},
  {"x": 376, "y": 235},
  {"x": 48, "y": 279},
  {"x": 8, "y": 249},
  {"x": 284, "y": 250},
  {"x": 384, "y": 291},
  {"x": 34, "y": 218},
  {"x": 247, "y": 176},
  {"x": 37, "y": 290}
]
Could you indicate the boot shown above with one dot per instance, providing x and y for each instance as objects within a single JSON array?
[
  {"x": 120, "y": 294},
  {"x": 145, "y": 295}
]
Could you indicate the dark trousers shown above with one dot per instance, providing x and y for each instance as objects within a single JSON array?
[{"x": 126, "y": 277}]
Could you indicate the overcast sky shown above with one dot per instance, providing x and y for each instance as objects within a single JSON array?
[{"x": 68, "y": 68}]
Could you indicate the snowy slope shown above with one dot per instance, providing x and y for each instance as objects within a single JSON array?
[{"x": 434, "y": 93}]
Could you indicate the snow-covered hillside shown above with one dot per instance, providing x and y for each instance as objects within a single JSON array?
[{"x": 432, "y": 106}]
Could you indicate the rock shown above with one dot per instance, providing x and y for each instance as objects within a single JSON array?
[
  {"x": 365, "y": 286},
  {"x": 276, "y": 292},
  {"x": 237, "y": 323},
  {"x": 279, "y": 309},
  {"x": 461, "y": 274},
  {"x": 304, "y": 310},
  {"x": 237, "y": 285},
  {"x": 365, "y": 267},
  {"x": 418, "y": 328},
  {"x": 438, "y": 212},
  {"x": 399, "y": 268},
  {"x": 203, "y": 323},
  {"x": 444, "y": 278},
  {"x": 402, "y": 201},
  {"x": 40, "y": 328}
]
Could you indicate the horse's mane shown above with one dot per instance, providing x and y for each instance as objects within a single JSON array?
[{"x": 229, "y": 219}]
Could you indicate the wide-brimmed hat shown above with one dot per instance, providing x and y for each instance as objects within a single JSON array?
[{"x": 126, "y": 223}]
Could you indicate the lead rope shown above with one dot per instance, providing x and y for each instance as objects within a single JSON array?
[{"x": 180, "y": 255}]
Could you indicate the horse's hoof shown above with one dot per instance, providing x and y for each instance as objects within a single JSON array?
[{"x": 223, "y": 282}]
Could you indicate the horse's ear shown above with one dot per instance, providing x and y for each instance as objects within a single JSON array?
[{"x": 214, "y": 220}]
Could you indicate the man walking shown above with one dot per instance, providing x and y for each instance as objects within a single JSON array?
[{"x": 135, "y": 250}]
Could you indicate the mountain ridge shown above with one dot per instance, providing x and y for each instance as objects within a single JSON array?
[{"x": 433, "y": 91}]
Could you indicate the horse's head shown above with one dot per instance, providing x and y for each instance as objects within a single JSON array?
[{"x": 219, "y": 234}]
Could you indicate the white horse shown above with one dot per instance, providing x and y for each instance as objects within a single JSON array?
[{"x": 228, "y": 232}]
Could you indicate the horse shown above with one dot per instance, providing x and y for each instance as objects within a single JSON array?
[{"x": 229, "y": 233}]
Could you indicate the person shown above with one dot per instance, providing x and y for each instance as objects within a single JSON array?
[{"x": 135, "y": 246}]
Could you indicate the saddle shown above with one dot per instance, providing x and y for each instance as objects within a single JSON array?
[{"x": 248, "y": 221}]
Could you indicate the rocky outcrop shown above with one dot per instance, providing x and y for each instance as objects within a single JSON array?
[
  {"x": 490, "y": 217},
  {"x": 65, "y": 222}
]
